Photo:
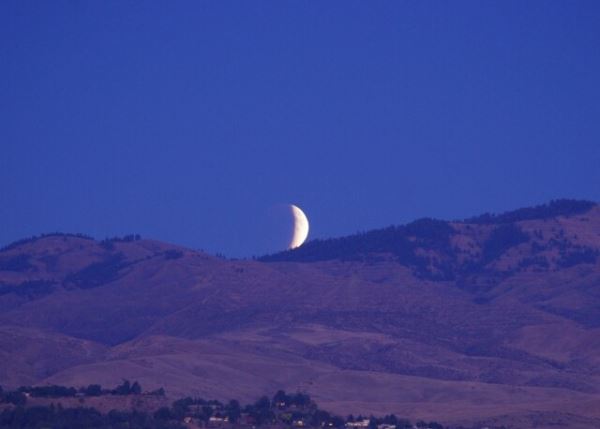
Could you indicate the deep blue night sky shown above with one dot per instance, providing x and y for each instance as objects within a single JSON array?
[{"x": 187, "y": 121}]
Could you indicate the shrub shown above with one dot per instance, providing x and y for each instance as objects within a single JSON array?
[
  {"x": 17, "y": 263},
  {"x": 15, "y": 398},
  {"x": 501, "y": 239},
  {"x": 173, "y": 254},
  {"x": 561, "y": 207},
  {"x": 30, "y": 289},
  {"x": 51, "y": 391},
  {"x": 98, "y": 273},
  {"x": 93, "y": 390},
  {"x": 582, "y": 255}
]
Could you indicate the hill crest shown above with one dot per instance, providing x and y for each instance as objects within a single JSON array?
[
  {"x": 432, "y": 320},
  {"x": 451, "y": 250}
]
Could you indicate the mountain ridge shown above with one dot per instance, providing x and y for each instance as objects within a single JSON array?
[
  {"x": 435, "y": 231},
  {"x": 381, "y": 331}
]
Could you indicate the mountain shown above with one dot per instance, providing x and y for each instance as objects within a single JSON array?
[{"x": 493, "y": 319}]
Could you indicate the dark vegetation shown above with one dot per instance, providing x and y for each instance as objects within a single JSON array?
[
  {"x": 18, "y": 263},
  {"x": 500, "y": 240},
  {"x": 282, "y": 410},
  {"x": 425, "y": 246},
  {"x": 561, "y": 207},
  {"x": 105, "y": 242},
  {"x": 411, "y": 245},
  {"x": 125, "y": 239},
  {"x": 17, "y": 398},
  {"x": 393, "y": 239},
  {"x": 537, "y": 261},
  {"x": 54, "y": 391},
  {"x": 127, "y": 388},
  {"x": 401, "y": 242},
  {"x": 173, "y": 254},
  {"x": 50, "y": 391},
  {"x": 404, "y": 242},
  {"x": 57, "y": 417},
  {"x": 98, "y": 273},
  {"x": 34, "y": 238},
  {"x": 30, "y": 289},
  {"x": 109, "y": 243},
  {"x": 577, "y": 255}
]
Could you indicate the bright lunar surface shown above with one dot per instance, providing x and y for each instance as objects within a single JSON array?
[{"x": 300, "y": 227}]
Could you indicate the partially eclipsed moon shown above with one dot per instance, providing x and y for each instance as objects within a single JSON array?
[{"x": 300, "y": 227}]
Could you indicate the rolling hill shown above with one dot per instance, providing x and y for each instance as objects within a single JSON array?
[{"x": 493, "y": 319}]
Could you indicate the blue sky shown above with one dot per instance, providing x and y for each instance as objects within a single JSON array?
[{"x": 189, "y": 121}]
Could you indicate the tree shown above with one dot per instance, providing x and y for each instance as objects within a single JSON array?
[
  {"x": 180, "y": 407},
  {"x": 404, "y": 424},
  {"x": 136, "y": 389},
  {"x": 123, "y": 389},
  {"x": 164, "y": 413},
  {"x": 261, "y": 411},
  {"x": 173, "y": 254},
  {"x": 390, "y": 419},
  {"x": 263, "y": 404},
  {"x": 372, "y": 423},
  {"x": 233, "y": 411},
  {"x": 337, "y": 422},
  {"x": 15, "y": 398},
  {"x": 207, "y": 412},
  {"x": 281, "y": 398},
  {"x": 158, "y": 392},
  {"x": 93, "y": 390},
  {"x": 300, "y": 399}
]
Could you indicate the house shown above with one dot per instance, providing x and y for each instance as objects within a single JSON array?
[
  {"x": 364, "y": 423},
  {"x": 217, "y": 421}
]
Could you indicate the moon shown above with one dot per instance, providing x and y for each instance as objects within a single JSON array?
[{"x": 300, "y": 227}]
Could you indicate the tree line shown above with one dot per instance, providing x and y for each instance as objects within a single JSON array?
[
  {"x": 281, "y": 410},
  {"x": 19, "y": 396}
]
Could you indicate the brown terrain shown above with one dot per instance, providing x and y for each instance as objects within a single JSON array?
[{"x": 490, "y": 321}]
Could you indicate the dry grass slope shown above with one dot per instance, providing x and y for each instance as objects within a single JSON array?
[{"x": 499, "y": 322}]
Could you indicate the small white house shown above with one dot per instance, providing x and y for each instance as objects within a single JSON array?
[{"x": 358, "y": 424}]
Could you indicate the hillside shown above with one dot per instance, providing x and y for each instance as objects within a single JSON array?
[{"x": 491, "y": 319}]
